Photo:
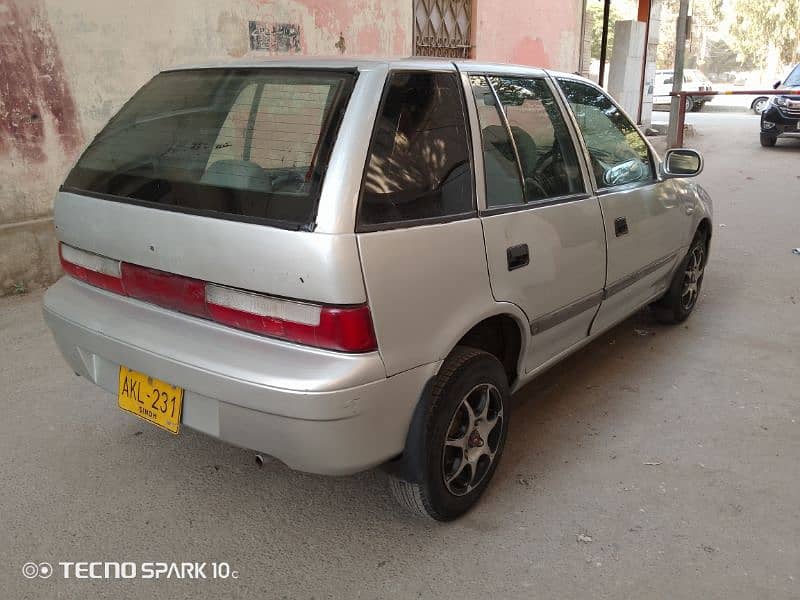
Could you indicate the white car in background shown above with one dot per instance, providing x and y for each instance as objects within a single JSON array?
[{"x": 692, "y": 80}]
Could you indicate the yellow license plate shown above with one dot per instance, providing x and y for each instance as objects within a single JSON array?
[{"x": 150, "y": 399}]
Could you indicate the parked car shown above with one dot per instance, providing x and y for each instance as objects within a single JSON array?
[
  {"x": 692, "y": 80},
  {"x": 781, "y": 117},
  {"x": 346, "y": 264}
]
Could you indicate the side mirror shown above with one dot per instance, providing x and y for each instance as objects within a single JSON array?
[
  {"x": 682, "y": 162},
  {"x": 776, "y": 85}
]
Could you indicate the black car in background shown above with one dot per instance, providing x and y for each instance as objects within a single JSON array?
[{"x": 782, "y": 115}]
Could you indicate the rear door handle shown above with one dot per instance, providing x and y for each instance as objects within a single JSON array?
[
  {"x": 518, "y": 256},
  {"x": 620, "y": 226}
]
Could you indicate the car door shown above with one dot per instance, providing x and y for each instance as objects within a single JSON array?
[
  {"x": 544, "y": 236},
  {"x": 644, "y": 219},
  {"x": 662, "y": 89},
  {"x": 420, "y": 241}
]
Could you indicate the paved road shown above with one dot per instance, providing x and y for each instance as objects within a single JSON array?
[{"x": 714, "y": 406}]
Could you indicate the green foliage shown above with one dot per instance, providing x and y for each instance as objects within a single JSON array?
[
  {"x": 706, "y": 10},
  {"x": 707, "y": 17},
  {"x": 594, "y": 16},
  {"x": 20, "y": 288},
  {"x": 721, "y": 58},
  {"x": 761, "y": 24}
]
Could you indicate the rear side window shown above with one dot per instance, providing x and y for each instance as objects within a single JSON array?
[
  {"x": 418, "y": 166},
  {"x": 501, "y": 170},
  {"x": 236, "y": 143},
  {"x": 546, "y": 153},
  {"x": 528, "y": 152}
]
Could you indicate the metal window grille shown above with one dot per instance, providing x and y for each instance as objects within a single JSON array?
[{"x": 442, "y": 28}]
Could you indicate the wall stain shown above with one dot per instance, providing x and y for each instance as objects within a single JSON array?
[
  {"x": 33, "y": 85},
  {"x": 530, "y": 51},
  {"x": 275, "y": 37}
]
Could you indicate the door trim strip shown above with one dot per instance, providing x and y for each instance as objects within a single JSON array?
[
  {"x": 565, "y": 313},
  {"x": 569, "y": 311},
  {"x": 629, "y": 280}
]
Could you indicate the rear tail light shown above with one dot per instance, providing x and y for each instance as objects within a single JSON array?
[
  {"x": 183, "y": 294},
  {"x": 92, "y": 268},
  {"x": 346, "y": 329}
]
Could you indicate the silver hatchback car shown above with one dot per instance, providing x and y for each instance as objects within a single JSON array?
[{"x": 353, "y": 263}]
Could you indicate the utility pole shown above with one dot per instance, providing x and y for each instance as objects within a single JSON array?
[
  {"x": 604, "y": 42},
  {"x": 677, "y": 73}
]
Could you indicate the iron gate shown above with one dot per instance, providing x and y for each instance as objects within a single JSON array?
[{"x": 442, "y": 28}]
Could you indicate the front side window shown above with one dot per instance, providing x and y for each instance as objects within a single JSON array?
[
  {"x": 618, "y": 151},
  {"x": 419, "y": 164},
  {"x": 251, "y": 143},
  {"x": 793, "y": 80}
]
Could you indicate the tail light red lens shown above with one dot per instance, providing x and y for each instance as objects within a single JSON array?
[
  {"x": 345, "y": 329},
  {"x": 95, "y": 270},
  {"x": 183, "y": 294}
]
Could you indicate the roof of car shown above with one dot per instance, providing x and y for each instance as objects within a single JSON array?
[{"x": 364, "y": 63}]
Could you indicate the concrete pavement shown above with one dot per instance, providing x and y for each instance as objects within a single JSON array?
[{"x": 656, "y": 463}]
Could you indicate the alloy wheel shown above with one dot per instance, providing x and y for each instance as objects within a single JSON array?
[
  {"x": 693, "y": 278},
  {"x": 473, "y": 439}
]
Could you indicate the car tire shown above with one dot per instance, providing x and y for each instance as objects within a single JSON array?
[
  {"x": 768, "y": 141},
  {"x": 759, "y": 104},
  {"x": 456, "y": 437},
  {"x": 684, "y": 290},
  {"x": 690, "y": 103}
]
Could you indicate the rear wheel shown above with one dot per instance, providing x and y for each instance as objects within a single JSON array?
[
  {"x": 768, "y": 140},
  {"x": 456, "y": 438},
  {"x": 689, "y": 104},
  {"x": 681, "y": 298}
]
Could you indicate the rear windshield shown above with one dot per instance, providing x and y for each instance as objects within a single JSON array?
[{"x": 251, "y": 144}]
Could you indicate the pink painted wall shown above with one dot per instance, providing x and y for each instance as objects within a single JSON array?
[
  {"x": 67, "y": 66},
  {"x": 540, "y": 33}
]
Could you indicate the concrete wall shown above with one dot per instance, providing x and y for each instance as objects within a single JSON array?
[
  {"x": 66, "y": 66},
  {"x": 650, "y": 66},
  {"x": 627, "y": 56}
]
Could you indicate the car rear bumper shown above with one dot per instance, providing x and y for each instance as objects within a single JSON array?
[{"x": 317, "y": 411}]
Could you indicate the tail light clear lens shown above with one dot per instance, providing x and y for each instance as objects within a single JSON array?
[
  {"x": 348, "y": 329},
  {"x": 92, "y": 268},
  {"x": 345, "y": 329}
]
